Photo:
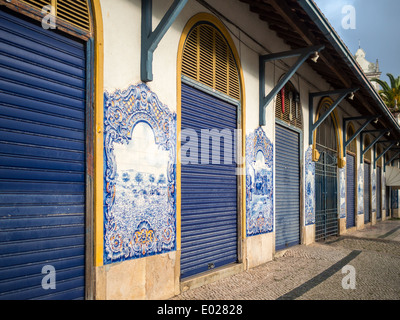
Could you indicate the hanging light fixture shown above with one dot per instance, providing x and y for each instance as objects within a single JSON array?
[{"x": 315, "y": 57}]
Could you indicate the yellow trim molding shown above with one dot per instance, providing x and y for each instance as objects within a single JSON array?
[
  {"x": 209, "y": 18},
  {"x": 98, "y": 135}
]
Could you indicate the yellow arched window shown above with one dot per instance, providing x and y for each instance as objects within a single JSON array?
[
  {"x": 208, "y": 59},
  {"x": 288, "y": 107}
]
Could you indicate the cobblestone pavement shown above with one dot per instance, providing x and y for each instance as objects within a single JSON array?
[{"x": 315, "y": 272}]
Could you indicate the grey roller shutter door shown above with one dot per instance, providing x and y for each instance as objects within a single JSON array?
[
  {"x": 350, "y": 191},
  {"x": 367, "y": 192},
  {"x": 287, "y": 192},
  {"x": 209, "y": 210}
]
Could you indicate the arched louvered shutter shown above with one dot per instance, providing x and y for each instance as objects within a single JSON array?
[
  {"x": 288, "y": 107},
  {"x": 68, "y": 12},
  {"x": 208, "y": 59},
  {"x": 75, "y": 12},
  {"x": 38, "y": 4}
]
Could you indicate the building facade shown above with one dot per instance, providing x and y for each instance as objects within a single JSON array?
[
  {"x": 150, "y": 147},
  {"x": 371, "y": 69}
]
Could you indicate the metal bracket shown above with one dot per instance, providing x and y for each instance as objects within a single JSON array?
[
  {"x": 150, "y": 38},
  {"x": 303, "y": 55},
  {"x": 376, "y": 159},
  {"x": 364, "y": 151},
  {"x": 314, "y": 126},
  {"x": 361, "y": 129},
  {"x": 393, "y": 158}
]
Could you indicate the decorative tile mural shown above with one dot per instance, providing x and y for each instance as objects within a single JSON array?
[
  {"x": 383, "y": 182},
  {"x": 360, "y": 190},
  {"x": 259, "y": 183},
  {"x": 139, "y": 195},
  {"x": 342, "y": 192},
  {"x": 309, "y": 188},
  {"x": 373, "y": 182}
]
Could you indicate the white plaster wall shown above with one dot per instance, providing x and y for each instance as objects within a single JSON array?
[{"x": 121, "y": 24}]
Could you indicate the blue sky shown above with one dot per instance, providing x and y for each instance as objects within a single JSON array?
[{"x": 376, "y": 26}]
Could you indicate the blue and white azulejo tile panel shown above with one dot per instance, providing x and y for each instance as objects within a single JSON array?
[
  {"x": 342, "y": 190},
  {"x": 309, "y": 188},
  {"x": 373, "y": 182},
  {"x": 360, "y": 190},
  {"x": 139, "y": 169},
  {"x": 259, "y": 184}
]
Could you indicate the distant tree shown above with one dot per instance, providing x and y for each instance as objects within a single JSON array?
[
  {"x": 139, "y": 177},
  {"x": 152, "y": 178},
  {"x": 162, "y": 179},
  {"x": 390, "y": 94},
  {"x": 126, "y": 177}
]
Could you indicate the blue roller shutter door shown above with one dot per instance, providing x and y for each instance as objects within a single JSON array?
[
  {"x": 350, "y": 191},
  {"x": 394, "y": 201},
  {"x": 379, "y": 193},
  {"x": 42, "y": 161},
  {"x": 367, "y": 192},
  {"x": 287, "y": 231},
  {"x": 209, "y": 211},
  {"x": 387, "y": 202}
]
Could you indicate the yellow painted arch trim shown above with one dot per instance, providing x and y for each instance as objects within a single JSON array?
[
  {"x": 209, "y": 18},
  {"x": 326, "y": 102},
  {"x": 98, "y": 134}
]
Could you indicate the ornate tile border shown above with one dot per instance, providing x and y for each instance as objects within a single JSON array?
[
  {"x": 139, "y": 209},
  {"x": 259, "y": 184}
]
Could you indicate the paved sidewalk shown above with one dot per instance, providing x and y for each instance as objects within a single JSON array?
[{"x": 315, "y": 272}]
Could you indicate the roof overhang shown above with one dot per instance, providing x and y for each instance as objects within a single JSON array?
[{"x": 300, "y": 23}]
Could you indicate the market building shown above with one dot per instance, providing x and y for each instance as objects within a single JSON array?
[{"x": 149, "y": 147}]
